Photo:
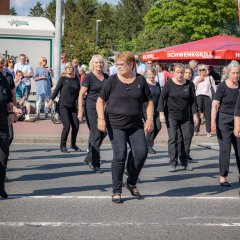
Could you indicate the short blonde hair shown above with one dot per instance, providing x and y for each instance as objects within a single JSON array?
[
  {"x": 203, "y": 66},
  {"x": 41, "y": 60},
  {"x": 127, "y": 57},
  {"x": 178, "y": 66},
  {"x": 99, "y": 57}
]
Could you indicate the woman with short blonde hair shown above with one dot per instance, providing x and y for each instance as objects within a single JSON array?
[{"x": 92, "y": 85}]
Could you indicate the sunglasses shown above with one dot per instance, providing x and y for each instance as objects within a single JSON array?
[
  {"x": 11, "y": 61},
  {"x": 202, "y": 70}
]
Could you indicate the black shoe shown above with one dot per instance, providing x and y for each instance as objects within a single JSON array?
[
  {"x": 97, "y": 170},
  {"x": 134, "y": 191},
  {"x": 151, "y": 150},
  {"x": 76, "y": 148},
  {"x": 64, "y": 150},
  {"x": 225, "y": 184},
  {"x": 3, "y": 194},
  {"x": 189, "y": 158}
]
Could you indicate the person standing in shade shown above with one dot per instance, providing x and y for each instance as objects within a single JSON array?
[
  {"x": 222, "y": 121},
  {"x": 125, "y": 93},
  {"x": 69, "y": 87},
  {"x": 204, "y": 84},
  {"x": 176, "y": 100},
  {"x": 43, "y": 87},
  {"x": 92, "y": 85},
  {"x": 155, "y": 90}
]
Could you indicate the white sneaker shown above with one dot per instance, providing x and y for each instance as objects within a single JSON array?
[
  {"x": 209, "y": 135},
  {"x": 195, "y": 133},
  {"x": 27, "y": 117}
]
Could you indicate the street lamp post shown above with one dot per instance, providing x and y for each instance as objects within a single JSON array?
[{"x": 97, "y": 21}]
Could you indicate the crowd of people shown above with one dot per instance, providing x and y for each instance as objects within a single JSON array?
[{"x": 128, "y": 101}]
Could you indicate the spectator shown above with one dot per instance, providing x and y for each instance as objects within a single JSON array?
[
  {"x": 193, "y": 64},
  {"x": 27, "y": 74},
  {"x": 75, "y": 64},
  {"x": 43, "y": 87},
  {"x": 161, "y": 75},
  {"x": 10, "y": 67},
  {"x": 20, "y": 97},
  {"x": 63, "y": 62},
  {"x": 140, "y": 67},
  {"x": 82, "y": 74},
  {"x": 216, "y": 76},
  {"x": 205, "y": 87}
]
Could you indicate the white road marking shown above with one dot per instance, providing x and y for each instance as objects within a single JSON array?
[
  {"x": 112, "y": 224},
  {"x": 108, "y": 197}
]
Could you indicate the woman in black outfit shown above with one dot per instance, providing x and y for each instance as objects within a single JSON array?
[
  {"x": 223, "y": 121},
  {"x": 92, "y": 85},
  {"x": 125, "y": 93},
  {"x": 69, "y": 87},
  {"x": 155, "y": 90},
  {"x": 6, "y": 106},
  {"x": 175, "y": 102}
]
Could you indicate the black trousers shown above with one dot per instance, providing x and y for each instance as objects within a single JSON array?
[
  {"x": 137, "y": 142},
  {"x": 173, "y": 126},
  {"x": 152, "y": 135},
  {"x": 4, "y": 152},
  {"x": 181, "y": 150},
  {"x": 205, "y": 106},
  {"x": 11, "y": 134},
  {"x": 69, "y": 119},
  {"x": 226, "y": 138},
  {"x": 96, "y": 137}
]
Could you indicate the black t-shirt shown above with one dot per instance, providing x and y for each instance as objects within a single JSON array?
[
  {"x": 178, "y": 101},
  {"x": 227, "y": 97},
  {"x": 125, "y": 101},
  {"x": 5, "y": 98},
  {"x": 69, "y": 91},
  {"x": 155, "y": 92},
  {"x": 94, "y": 86},
  {"x": 10, "y": 80}
]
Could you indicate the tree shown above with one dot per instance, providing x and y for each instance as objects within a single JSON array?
[
  {"x": 37, "y": 10},
  {"x": 50, "y": 11},
  {"x": 13, "y": 11}
]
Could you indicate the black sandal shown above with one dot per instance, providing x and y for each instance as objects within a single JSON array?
[
  {"x": 116, "y": 198},
  {"x": 134, "y": 191}
]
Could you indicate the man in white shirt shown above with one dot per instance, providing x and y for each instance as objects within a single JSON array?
[
  {"x": 140, "y": 67},
  {"x": 27, "y": 74}
]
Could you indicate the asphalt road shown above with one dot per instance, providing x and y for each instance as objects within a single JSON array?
[{"x": 55, "y": 196}]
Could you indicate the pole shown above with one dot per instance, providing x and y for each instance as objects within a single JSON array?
[
  {"x": 97, "y": 21},
  {"x": 58, "y": 38}
]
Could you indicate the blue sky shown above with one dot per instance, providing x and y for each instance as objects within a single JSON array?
[{"x": 23, "y": 6}]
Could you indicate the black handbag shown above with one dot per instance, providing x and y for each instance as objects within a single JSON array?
[{"x": 211, "y": 88}]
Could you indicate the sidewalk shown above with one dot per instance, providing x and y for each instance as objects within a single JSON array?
[{"x": 44, "y": 131}]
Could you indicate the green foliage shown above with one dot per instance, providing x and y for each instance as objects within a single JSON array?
[
  {"x": 37, "y": 10},
  {"x": 50, "y": 11},
  {"x": 13, "y": 11},
  {"x": 141, "y": 25}
]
